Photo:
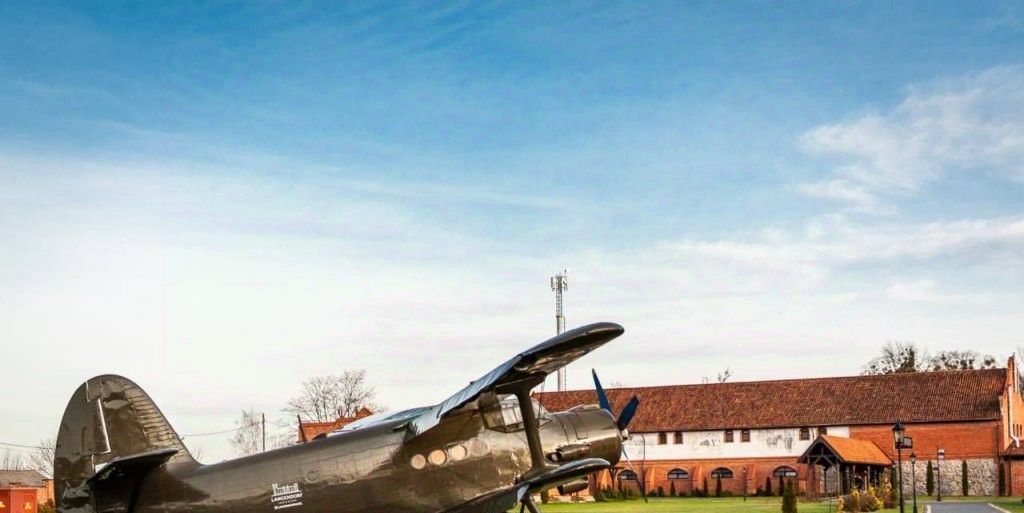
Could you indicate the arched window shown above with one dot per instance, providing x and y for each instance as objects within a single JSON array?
[
  {"x": 627, "y": 475},
  {"x": 721, "y": 472},
  {"x": 784, "y": 472},
  {"x": 678, "y": 473}
]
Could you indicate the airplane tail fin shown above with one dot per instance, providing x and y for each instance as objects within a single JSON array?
[{"x": 111, "y": 435}]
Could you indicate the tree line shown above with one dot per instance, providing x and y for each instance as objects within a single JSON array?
[{"x": 898, "y": 357}]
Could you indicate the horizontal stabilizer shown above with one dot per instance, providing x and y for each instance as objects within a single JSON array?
[{"x": 137, "y": 464}]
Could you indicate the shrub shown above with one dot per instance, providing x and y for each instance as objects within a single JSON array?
[
  {"x": 789, "y": 499},
  {"x": 47, "y": 507},
  {"x": 887, "y": 493},
  {"x": 661, "y": 492},
  {"x": 841, "y": 503},
  {"x": 768, "y": 486},
  {"x": 929, "y": 479},
  {"x": 965, "y": 486},
  {"x": 704, "y": 493},
  {"x": 671, "y": 488},
  {"x": 718, "y": 486},
  {"x": 871, "y": 500},
  {"x": 598, "y": 495},
  {"x": 1002, "y": 479},
  {"x": 855, "y": 501}
]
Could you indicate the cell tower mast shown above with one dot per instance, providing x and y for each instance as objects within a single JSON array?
[{"x": 559, "y": 284}]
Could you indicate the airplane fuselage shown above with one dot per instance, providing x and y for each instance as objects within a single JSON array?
[{"x": 376, "y": 469}]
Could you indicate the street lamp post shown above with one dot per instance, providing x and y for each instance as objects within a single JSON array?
[
  {"x": 897, "y": 438},
  {"x": 940, "y": 455},
  {"x": 913, "y": 478}
]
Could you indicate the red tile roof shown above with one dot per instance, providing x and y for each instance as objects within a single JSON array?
[
  {"x": 852, "y": 450},
  {"x": 1013, "y": 450},
  {"x": 310, "y": 430},
  {"x": 854, "y": 400},
  {"x": 23, "y": 478}
]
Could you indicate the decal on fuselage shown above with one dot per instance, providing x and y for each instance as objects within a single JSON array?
[{"x": 285, "y": 496}]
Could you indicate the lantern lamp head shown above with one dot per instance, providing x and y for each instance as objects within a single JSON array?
[{"x": 897, "y": 433}]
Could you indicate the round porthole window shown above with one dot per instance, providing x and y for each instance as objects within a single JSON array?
[
  {"x": 437, "y": 457},
  {"x": 457, "y": 452},
  {"x": 418, "y": 462},
  {"x": 478, "y": 448}
]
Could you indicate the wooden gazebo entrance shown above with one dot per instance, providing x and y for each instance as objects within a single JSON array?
[{"x": 855, "y": 464}]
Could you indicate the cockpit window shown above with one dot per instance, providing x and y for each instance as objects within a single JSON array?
[{"x": 505, "y": 416}]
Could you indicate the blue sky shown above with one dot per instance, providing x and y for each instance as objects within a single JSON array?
[{"x": 259, "y": 192}]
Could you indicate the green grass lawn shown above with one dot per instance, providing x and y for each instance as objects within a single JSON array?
[
  {"x": 752, "y": 505},
  {"x": 688, "y": 505},
  {"x": 1009, "y": 504}
]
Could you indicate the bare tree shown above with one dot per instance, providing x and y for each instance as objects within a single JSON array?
[
  {"x": 248, "y": 438},
  {"x": 961, "y": 360},
  {"x": 721, "y": 378},
  {"x": 897, "y": 357},
  {"x": 11, "y": 460},
  {"x": 42, "y": 459},
  {"x": 325, "y": 398}
]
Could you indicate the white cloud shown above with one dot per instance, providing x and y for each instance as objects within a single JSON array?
[
  {"x": 251, "y": 284},
  {"x": 843, "y": 191},
  {"x": 926, "y": 291},
  {"x": 973, "y": 124}
]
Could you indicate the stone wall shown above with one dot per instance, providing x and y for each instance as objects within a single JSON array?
[{"x": 982, "y": 475}]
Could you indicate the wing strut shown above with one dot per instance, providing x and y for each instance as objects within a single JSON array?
[
  {"x": 537, "y": 461},
  {"x": 521, "y": 389},
  {"x": 529, "y": 504}
]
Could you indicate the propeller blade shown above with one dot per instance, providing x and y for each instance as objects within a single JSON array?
[
  {"x": 602, "y": 398},
  {"x": 627, "y": 413},
  {"x": 639, "y": 478}
]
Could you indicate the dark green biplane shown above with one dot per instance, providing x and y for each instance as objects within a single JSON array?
[{"x": 485, "y": 449}]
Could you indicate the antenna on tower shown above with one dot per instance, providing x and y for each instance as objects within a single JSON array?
[{"x": 559, "y": 284}]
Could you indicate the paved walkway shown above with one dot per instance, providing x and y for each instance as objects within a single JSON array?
[{"x": 961, "y": 507}]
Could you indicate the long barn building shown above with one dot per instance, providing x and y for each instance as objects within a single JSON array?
[{"x": 747, "y": 434}]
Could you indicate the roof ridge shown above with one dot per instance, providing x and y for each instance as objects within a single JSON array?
[{"x": 791, "y": 380}]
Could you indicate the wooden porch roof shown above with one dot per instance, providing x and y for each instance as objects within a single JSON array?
[{"x": 847, "y": 451}]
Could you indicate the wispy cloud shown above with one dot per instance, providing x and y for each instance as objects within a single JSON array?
[
  {"x": 927, "y": 291},
  {"x": 971, "y": 124}
]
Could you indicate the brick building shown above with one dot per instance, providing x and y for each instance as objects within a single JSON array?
[
  {"x": 308, "y": 430},
  {"x": 22, "y": 491},
  {"x": 748, "y": 434}
]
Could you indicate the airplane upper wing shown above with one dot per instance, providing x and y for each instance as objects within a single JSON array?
[{"x": 536, "y": 362}]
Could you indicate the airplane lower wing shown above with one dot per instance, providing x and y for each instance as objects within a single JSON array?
[
  {"x": 503, "y": 500},
  {"x": 569, "y": 472},
  {"x": 534, "y": 363},
  {"x": 497, "y": 502}
]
